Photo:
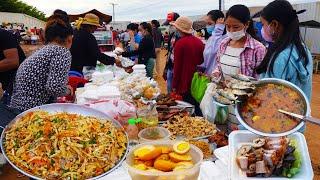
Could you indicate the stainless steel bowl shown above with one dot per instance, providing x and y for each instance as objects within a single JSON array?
[
  {"x": 307, "y": 109},
  {"x": 69, "y": 108}
]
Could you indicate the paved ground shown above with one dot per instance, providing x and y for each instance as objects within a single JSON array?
[{"x": 312, "y": 133}]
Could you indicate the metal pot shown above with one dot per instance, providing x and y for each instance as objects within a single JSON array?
[
  {"x": 70, "y": 108},
  {"x": 307, "y": 109}
]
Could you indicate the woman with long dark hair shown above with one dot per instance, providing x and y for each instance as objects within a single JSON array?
[
  {"x": 146, "y": 50},
  {"x": 240, "y": 52},
  {"x": 288, "y": 58}
]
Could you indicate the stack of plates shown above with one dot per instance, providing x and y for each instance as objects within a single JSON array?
[{"x": 139, "y": 69}]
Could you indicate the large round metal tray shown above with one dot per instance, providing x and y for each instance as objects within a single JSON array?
[
  {"x": 307, "y": 109},
  {"x": 69, "y": 108}
]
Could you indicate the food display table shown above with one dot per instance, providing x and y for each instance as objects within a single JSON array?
[{"x": 129, "y": 98}]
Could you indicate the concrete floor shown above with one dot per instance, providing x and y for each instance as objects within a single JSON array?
[{"x": 312, "y": 133}]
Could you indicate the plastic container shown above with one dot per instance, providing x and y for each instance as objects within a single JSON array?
[
  {"x": 238, "y": 138},
  {"x": 149, "y": 118},
  {"x": 188, "y": 174},
  {"x": 154, "y": 134}
]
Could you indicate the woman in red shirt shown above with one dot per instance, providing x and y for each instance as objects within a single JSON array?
[{"x": 188, "y": 54}]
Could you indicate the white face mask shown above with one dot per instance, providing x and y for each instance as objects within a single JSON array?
[
  {"x": 236, "y": 35},
  {"x": 172, "y": 29}
]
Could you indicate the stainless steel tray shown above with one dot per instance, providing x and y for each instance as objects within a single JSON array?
[
  {"x": 307, "y": 108},
  {"x": 70, "y": 108}
]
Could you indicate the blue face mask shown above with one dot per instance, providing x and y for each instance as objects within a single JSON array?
[
  {"x": 178, "y": 35},
  {"x": 210, "y": 28}
]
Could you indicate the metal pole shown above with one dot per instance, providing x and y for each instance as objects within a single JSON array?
[
  {"x": 113, "y": 13},
  {"x": 221, "y": 5},
  {"x": 305, "y": 33}
]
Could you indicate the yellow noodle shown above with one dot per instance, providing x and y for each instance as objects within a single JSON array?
[{"x": 64, "y": 146}]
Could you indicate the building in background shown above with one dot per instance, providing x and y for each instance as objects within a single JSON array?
[{"x": 19, "y": 18}]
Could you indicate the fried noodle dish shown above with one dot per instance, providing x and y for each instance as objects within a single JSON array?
[{"x": 64, "y": 146}]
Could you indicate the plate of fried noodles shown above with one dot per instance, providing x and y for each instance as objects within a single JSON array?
[{"x": 64, "y": 141}]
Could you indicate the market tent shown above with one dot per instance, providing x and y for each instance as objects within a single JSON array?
[
  {"x": 198, "y": 25},
  {"x": 310, "y": 24},
  {"x": 310, "y": 31},
  {"x": 103, "y": 17}
]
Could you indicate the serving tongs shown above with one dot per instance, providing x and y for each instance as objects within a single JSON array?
[{"x": 301, "y": 117}]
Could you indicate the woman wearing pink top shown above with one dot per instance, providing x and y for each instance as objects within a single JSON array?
[{"x": 240, "y": 52}]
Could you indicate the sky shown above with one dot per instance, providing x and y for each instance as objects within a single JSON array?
[{"x": 140, "y": 10}]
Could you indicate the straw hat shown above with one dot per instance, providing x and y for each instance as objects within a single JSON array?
[
  {"x": 90, "y": 19},
  {"x": 183, "y": 24}
]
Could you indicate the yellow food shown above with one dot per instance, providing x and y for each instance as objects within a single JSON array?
[
  {"x": 149, "y": 93},
  {"x": 204, "y": 147},
  {"x": 161, "y": 159},
  {"x": 143, "y": 150},
  {"x": 181, "y": 147},
  {"x": 255, "y": 118},
  {"x": 192, "y": 127},
  {"x": 64, "y": 146},
  {"x": 164, "y": 157},
  {"x": 149, "y": 163},
  {"x": 147, "y": 155},
  {"x": 178, "y": 157},
  {"x": 185, "y": 163},
  {"x": 164, "y": 165},
  {"x": 140, "y": 167},
  {"x": 165, "y": 150}
]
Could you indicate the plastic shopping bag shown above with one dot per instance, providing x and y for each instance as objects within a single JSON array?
[
  {"x": 207, "y": 106},
  {"x": 119, "y": 110},
  {"x": 198, "y": 86},
  {"x": 210, "y": 110}
]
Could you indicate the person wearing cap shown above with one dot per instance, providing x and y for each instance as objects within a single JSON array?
[
  {"x": 288, "y": 58},
  {"x": 173, "y": 37},
  {"x": 188, "y": 54},
  {"x": 85, "y": 50}
]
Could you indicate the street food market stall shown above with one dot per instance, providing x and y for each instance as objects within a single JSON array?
[{"x": 120, "y": 126}]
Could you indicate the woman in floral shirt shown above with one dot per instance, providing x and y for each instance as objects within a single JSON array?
[{"x": 43, "y": 76}]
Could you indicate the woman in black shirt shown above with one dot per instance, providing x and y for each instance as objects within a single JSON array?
[
  {"x": 85, "y": 50},
  {"x": 146, "y": 51}
]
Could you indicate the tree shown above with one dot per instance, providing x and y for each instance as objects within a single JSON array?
[{"x": 17, "y": 6}]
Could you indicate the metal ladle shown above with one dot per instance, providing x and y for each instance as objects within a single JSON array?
[{"x": 303, "y": 118}]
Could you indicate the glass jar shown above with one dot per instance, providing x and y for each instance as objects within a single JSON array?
[{"x": 149, "y": 118}]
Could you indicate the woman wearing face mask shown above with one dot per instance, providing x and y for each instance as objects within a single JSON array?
[
  {"x": 288, "y": 58},
  {"x": 215, "y": 27},
  {"x": 240, "y": 52},
  {"x": 146, "y": 50},
  {"x": 43, "y": 76}
]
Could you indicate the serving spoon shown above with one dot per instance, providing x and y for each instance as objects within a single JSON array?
[{"x": 301, "y": 117}]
